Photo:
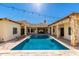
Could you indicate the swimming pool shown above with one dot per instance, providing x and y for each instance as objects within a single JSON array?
[{"x": 40, "y": 42}]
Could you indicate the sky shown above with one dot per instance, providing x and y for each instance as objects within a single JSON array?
[{"x": 55, "y": 10}]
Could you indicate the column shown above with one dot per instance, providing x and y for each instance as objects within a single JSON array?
[
  {"x": 48, "y": 30},
  {"x": 51, "y": 30},
  {"x": 36, "y": 30},
  {"x": 30, "y": 30},
  {"x": 74, "y": 30},
  {"x": 66, "y": 29},
  {"x": 25, "y": 30},
  {"x": 57, "y": 30}
]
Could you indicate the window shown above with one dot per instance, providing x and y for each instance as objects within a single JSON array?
[
  {"x": 69, "y": 31},
  {"x": 14, "y": 30}
]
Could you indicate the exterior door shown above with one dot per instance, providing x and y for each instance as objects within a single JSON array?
[
  {"x": 62, "y": 32},
  {"x": 22, "y": 31}
]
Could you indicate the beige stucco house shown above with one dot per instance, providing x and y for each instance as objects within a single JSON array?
[
  {"x": 9, "y": 29},
  {"x": 67, "y": 27}
]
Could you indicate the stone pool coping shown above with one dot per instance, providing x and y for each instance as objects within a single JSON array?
[
  {"x": 68, "y": 46},
  {"x": 39, "y": 53}
]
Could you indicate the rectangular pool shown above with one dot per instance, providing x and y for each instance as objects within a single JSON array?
[{"x": 40, "y": 42}]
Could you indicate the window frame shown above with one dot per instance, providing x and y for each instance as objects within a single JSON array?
[
  {"x": 14, "y": 30},
  {"x": 69, "y": 30}
]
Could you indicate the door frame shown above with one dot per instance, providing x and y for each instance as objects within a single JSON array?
[{"x": 62, "y": 32}]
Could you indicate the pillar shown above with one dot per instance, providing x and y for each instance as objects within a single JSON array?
[
  {"x": 66, "y": 30},
  {"x": 30, "y": 30},
  {"x": 74, "y": 30},
  {"x": 25, "y": 30},
  {"x": 51, "y": 30},
  {"x": 57, "y": 30},
  {"x": 36, "y": 31}
]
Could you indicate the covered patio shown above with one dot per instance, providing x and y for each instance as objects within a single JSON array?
[
  {"x": 67, "y": 28},
  {"x": 37, "y": 30}
]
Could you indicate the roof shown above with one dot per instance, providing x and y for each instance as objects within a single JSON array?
[
  {"x": 62, "y": 19},
  {"x": 33, "y": 25},
  {"x": 39, "y": 25},
  {"x": 9, "y": 20}
]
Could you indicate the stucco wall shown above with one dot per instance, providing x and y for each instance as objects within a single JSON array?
[
  {"x": 66, "y": 26},
  {"x": 1, "y": 30},
  {"x": 7, "y": 30},
  {"x": 66, "y": 35}
]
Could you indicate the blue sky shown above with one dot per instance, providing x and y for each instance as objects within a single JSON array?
[{"x": 55, "y": 10}]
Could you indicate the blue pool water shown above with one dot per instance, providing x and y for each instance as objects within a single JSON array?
[{"x": 40, "y": 42}]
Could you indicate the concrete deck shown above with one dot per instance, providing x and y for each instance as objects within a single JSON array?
[
  {"x": 40, "y": 53},
  {"x": 10, "y": 44}
]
